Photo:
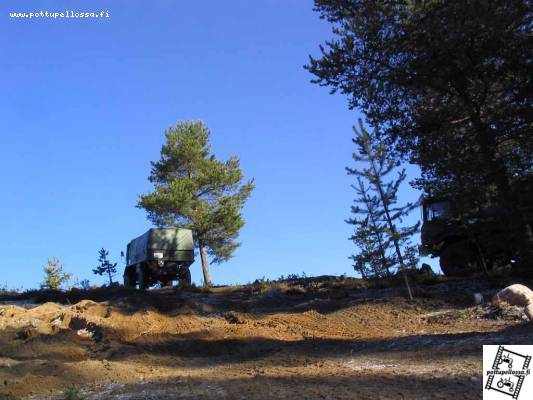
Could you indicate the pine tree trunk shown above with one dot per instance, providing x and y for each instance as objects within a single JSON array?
[
  {"x": 376, "y": 229},
  {"x": 392, "y": 227},
  {"x": 380, "y": 244},
  {"x": 205, "y": 265},
  {"x": 402, "y": 265},
  {"x": 110, "y": 278}
]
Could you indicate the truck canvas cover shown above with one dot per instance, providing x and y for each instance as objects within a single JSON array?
[{"x": 176, "y": 241}]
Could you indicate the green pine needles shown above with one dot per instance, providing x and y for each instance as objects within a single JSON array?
[
  {"x": 54, "y": 275},
  {"x": 194, "y": 190},
  {"x": 382, "y": 239}
]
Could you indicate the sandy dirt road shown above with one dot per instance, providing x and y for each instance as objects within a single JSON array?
[{"x": 321, "y": 342}]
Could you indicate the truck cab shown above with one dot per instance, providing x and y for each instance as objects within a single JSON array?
[
  {"x": 469, "y": 238},
  {"x": 446, "y": 236},
  {"x": 436, "y": 223}
]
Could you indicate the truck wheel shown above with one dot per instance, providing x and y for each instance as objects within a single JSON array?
[
  {"x": 185, "y": 276},
  {"x": 458, "y": 260},
  {"x": 129, "y": 278},
  {"x": 142, "y": 278}
]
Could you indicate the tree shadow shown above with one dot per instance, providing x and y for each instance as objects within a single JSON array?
[
  {"x": 261, "y": 387},
  {"x": 199, "y": 349}
]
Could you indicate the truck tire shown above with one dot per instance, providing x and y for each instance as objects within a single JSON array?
[
  {"x": 185, "y": 276},
  {"x": 142, "y": 278},
  {"x": 459, "y": 260},
  {"x": 129, "y": 278}
]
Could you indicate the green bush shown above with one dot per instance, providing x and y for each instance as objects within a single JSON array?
[{"x": 72, "y": 393}]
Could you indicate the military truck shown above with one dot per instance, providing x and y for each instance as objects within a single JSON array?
[
  {"x": 161, "y": 255},
  {"x": 464, "y": 245}
]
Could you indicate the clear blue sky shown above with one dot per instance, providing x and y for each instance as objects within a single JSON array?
[{"x": 85, "y": 102}]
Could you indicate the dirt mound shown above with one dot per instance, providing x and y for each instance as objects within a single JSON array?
[{"x": 309, "y": 340}]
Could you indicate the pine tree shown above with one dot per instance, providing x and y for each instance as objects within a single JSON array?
[
  {"x": 54, "y": 275},
  {"x": 369, "y": 235},
  {"x": 364, "y": 261},
  {"x": 105, "y": 267},
  {"x": 194, "y": 190},
  {"x": 455, "y": 101},
  {"x": 372, "y": 152}
]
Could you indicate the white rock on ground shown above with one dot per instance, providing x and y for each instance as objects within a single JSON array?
[{"x": 516, "y": 295}]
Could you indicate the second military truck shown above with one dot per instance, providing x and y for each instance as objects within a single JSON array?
[
  {"x": 161, "y": 255},
  {"x": 465, "y": 244}
]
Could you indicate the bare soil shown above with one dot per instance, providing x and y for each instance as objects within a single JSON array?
[{"x": 325, "y": 338}]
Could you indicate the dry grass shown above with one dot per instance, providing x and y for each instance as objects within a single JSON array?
[{"x": 334, "y": 287}]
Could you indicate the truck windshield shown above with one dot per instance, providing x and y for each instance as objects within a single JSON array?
[{"x": 438, "y": 210}]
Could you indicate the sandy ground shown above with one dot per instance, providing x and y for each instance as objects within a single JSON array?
[{"x": 316, "y": 341}]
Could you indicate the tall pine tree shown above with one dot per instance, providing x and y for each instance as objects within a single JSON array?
[
  {"x": 455, "y": 101},
  {"x": 373, "y": 153},
  {"x": 194, "y": 190}
]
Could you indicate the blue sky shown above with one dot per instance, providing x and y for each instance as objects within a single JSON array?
[{"x": 85, "y": 102}]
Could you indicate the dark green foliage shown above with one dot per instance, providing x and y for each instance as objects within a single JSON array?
[
  {"x": 383, "y": 241},
  {"x": 192, "y": 189},
  {"x": 72, "y": 393},
  {"x": 105, "y": 267},
  {"x": 85, "y": 284},
  {"x": 449, "y": 84}
]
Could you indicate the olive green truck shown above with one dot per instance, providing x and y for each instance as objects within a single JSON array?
[
  {"x": 161, "y": 255},
  {"x": 463, "y": 245}
]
